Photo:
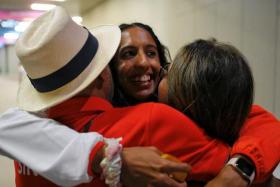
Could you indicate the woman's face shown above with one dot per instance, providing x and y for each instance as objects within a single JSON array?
[{"x": 137, "y": 64}]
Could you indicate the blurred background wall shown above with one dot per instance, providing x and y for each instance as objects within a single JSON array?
[{"x": 253, "y": 26}]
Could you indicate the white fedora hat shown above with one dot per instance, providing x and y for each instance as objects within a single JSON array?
[{"x": 61, "y": 58}]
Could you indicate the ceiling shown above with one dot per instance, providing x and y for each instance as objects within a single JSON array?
[
  {"x": 73, "y": 6},
  {"x": 12, "y": 12}
]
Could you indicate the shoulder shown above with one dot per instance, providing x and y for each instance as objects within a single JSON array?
[
  {"x": 258, "y": 112},
  {"x": 160, "y": 113},
  {"x": 159, "y": 108}
]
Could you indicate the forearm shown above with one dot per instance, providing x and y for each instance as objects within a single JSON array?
[
  {"x": 228, "y": 177},
  {"x": 54, "y": 151}
]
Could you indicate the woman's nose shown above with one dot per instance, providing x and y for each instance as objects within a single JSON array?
[{"x": 142, "y": 59}]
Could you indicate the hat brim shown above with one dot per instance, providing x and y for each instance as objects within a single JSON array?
[{"x": 30, "y": 99}]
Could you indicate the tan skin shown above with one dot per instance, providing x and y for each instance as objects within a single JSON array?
[{"x": 137, "y": 64}]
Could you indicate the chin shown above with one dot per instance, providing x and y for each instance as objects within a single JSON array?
[{"x": 144, "y": 97}]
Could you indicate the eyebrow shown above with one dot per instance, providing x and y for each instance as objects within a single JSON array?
[
  {"x": 126, "y": 47},
  {"x": 132, "y": 46},
  {"x": 151, "y": 45}
]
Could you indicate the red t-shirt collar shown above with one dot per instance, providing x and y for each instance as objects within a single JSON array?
[{"x": 78, "y": 111}]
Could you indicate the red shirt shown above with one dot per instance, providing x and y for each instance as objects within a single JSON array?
[{"x": 144, "y": 125}]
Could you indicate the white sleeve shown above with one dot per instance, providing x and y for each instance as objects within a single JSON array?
[{"x": 55, "y": 151}]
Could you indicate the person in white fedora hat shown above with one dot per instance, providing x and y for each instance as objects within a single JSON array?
[{"x": 62, "y": 60}]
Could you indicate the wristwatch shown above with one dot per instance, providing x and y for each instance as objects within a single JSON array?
[{"x": 244, "y": 167}]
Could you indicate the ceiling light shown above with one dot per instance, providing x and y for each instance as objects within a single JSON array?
[
  {"x": 43, "y": 7},
  {"x": 77, "y": 19},
  {"x": 10, "y": 37},
  {"x": 8, "y": 23},
  {"x": 21, "y": 26},
  {"x": 59, "y": 0}
]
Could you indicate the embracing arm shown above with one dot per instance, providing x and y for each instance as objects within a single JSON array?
[
  {"x": 259, "y": 141},
  {"x": 53, "y": 150}
]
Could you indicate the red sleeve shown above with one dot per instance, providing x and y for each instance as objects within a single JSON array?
[
  {"x": 172, "y": 132},
  {"x": 260, "y": 140}
]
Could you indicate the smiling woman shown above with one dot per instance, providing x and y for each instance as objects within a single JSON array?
[{"x": 137, "y": 64}]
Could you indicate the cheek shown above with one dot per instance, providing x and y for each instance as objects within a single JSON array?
[
  {"x": 122, "y": 70},
  {"x": 155, "y": 64},
  {"x": 120, "y": 67},
  {"x": 163, "y": 91}
]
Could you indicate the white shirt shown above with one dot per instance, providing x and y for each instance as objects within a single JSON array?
[
  {"x": 47, "y": 147},
  {"x": 276, "y": 172}
]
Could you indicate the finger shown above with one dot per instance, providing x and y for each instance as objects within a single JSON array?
[
  {"x": 171, "y": 166},
  {"x": 164, "y": 180},
  {"x": 177, "y": 171},
  {"x": 156, "y": 150}
]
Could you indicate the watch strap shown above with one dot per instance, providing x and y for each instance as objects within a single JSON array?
[{"x": 235, "y": 163}]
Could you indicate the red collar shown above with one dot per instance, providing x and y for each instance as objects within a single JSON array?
[
  {"x": 78, "y": 111},
  {"x": 96, "y": 104}
]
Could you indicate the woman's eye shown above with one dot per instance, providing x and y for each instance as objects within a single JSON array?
[
  {"x": 151, "y": 53},
  {"x": 127, "y": 54}
]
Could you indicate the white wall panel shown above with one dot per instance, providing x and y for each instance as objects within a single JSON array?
[
  {"x": 205, "y": 21},
  {"x": 277, "y": 72},
  {"x": 180, "y": 23},
  {"x": 2, "y": 60},
  {"x": 229, "y": 22},
  {"x": 13, "y": 61},
  {"x": 259, "y": 37}
]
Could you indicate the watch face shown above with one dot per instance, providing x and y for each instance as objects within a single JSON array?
[{"x": 245, "y": 166}]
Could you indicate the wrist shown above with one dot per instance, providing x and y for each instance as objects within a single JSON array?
[
  {"x": 244, "y": 167},
  {"x": 100, "y": 154},
  {"x": 111, "y": 163},
  {"x": 230, "y": 176},
  {"x": 96, "y": 154}
]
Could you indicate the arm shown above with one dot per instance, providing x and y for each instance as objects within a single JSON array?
[
  {"x": 259, "y": 141},
  {"x": 23, "y": 135},
  {"x": 227, "y": 177},
  {"x": 260, "y": 145},
  {"x": 65, "y": 159}
]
